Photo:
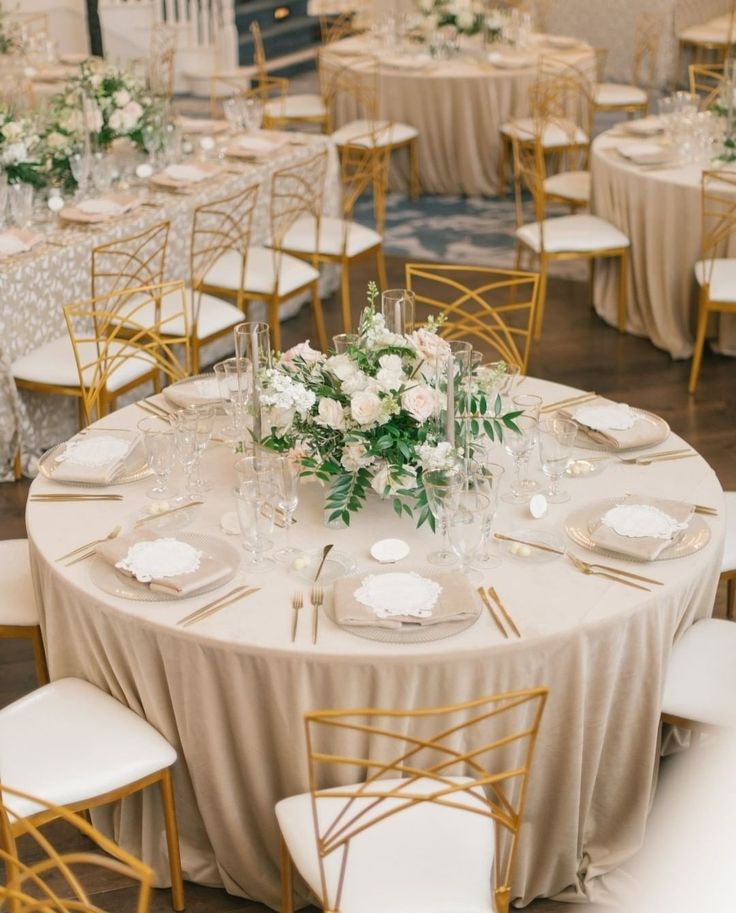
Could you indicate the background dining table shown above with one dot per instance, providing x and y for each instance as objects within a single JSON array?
[
  {"x": 230, "y": 691},
  {"x": 658, "y": 208}
]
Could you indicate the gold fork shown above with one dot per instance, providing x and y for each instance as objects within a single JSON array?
[
  {"x": 591, "y": 570},
  {"x": 297, "y": 603},
  {"x": 317, "y": 600}
]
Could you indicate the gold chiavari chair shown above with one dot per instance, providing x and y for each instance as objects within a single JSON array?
[
  {"x": 634, "y": 98},
  {"x": 269, "y": 90},
  {"x": 353, "y": 88},
  {"x": 336, "y": 26},
  {"x": 715, "y": 272},
  {"x": 708, "y": 42},
  {"x": 270, "y": 274},
  {"x": 490, "y": 307},
  {"x": 130, "y": 262},
  {"x": 18, "y": 609},
  {"x": 126, "y": 338},
  {"x": 76, "y": 747},
  {"x": 440, "y": 807},
  {"x": 40, "y": 877},
  {"x": 287, "y": 110},
  {"x": 162, "y": 59},
  {"x": 343, "y": 241},
  {"x": 561, "y": 108},
  {"x": 706, "y": 80},
  {"x": 571, "y": 237}
]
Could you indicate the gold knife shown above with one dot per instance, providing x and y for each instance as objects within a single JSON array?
[{"x": 486, "y": 602}]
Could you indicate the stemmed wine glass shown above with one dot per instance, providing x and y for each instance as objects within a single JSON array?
[
  {"x": 234, "y": 395},
  {"x": 519, "y": 444},
  {"x": 285, "y": 471},
  {"x": 556, "y": 442},
  {"x": 81, "y": 166},
  {"x": 486, "y": 478},
  {"x": 440, "y": 485},
  {"x": 467, "y": 511},
  {"x": 158, "y": 441},
  {"x": 254, "y": 502},
  {"x": 186, "y": 446},
  {"x": 194, "y": 426}
]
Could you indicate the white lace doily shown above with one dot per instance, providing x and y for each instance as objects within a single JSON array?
[
  {"x": 399, "y": 594},
  {"x": 616, "y": 417},
  {"x": 637, "y": 521},
  {"x": 185, "y": 173},
  {"x": 96, "y": 450},
  {"x": 157, "y": 558},
  {"x": 100, "y": 207}
]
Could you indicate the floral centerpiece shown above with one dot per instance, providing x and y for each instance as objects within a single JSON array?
[
  {"x": 20, "y": 149},
  {"x": 367, "y": 419},
  {"x": 465, "y": 15}
]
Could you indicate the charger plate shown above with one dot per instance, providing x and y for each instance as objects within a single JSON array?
[
  {"x": 135, "y": 466},
  {"x": 183, "y": 392},
  {"x": 659, "y": 431}
]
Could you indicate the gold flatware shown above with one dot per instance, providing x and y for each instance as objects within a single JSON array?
[
  {"x": 504, "y": 611},
  {"x": 325, "y": 552},
  {"x": 164, "y": 412},
  {"x": 48, "y": 499},
  {"x": 487, "y": 603},
  {"x": 570, "y": 401},
  {"x": 165, "y": 513},
  {"x": 317, "y": 598},
  {"x": 590, "y": 569},
  {"x": 697, "y": 508},
  {"x": 539, "y": 545},
  {"x": 659, "y": 457},
  {"x": 87, "y": 545},
  {"x": 83, "y": 557},
  {"x": 297, "y": 603},
  {"x": 233, "y": 596},
  {"x": 146, "y": 407},
  {"x": 618, "y": 570}
]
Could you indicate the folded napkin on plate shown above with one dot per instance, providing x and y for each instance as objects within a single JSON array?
[
  {"x": 203, "y": 390},
  {"x": 511, "y": 62},
  {"x": 164, "y": 564},
  {"x": 183, "y": 175},
  {"x": 641, "y": 527},
  {"x": 395, "y": 598},
  {"x": 201, "y": 125},
  {"x": 95, "y": 458},
  {"x": 644, "y": 126},
  {"x": 250, "y": 146},
  {"x": 16, "y": 241},
  {"x": 637, "y": 151},
  {"x": 615, "y": 425},
  {"x": 99, "y": 209}
]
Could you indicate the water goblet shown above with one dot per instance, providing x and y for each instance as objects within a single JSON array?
[
  {"x": 233, "y": 111},
  {"x": 234, "y": 395},
  {"x": 556, "y": 442},
  {"x": 285, "y": 470},
  {"x": 440, "y": 485},
  {"x": 21, "y": 204},
  {"x": 467, "y": 510},
  {"x": 486, "y": 477},
  {"x": 103, "y": 172},
  {"x": 186, "y": 447},
  {"x": 158, "y": 441},
  {"x": 251, "y": 113},
  {"x": 528, "y": 403},
  {"x": 196, "y": 424},
  {"x": 81, "y": 167},
  {"x": 519, "y": 444},
  {"x": 342, "y": 342},
  {"x": 254, "y": 503}
]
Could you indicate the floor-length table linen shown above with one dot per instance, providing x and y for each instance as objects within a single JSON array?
[
  {"x": 659, "y": 211},
  {"x": 230, "y": 691},
  {"x": 457, "y": 105},
  {"x": 35, "y": 287}
]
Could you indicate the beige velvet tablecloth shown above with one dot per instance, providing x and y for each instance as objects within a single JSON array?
[
  {"x": 230, "y": 691},
  {"x": 659, "y": 210},
  {"x": 35, "y": 287},
  {"x": 457, "y": 105}
]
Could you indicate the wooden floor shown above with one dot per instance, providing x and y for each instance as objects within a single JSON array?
[{"x": 577, "y": 349}]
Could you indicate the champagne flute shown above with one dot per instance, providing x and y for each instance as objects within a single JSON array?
[
  {"x": 234, "y": 398},
  {"x": 486, "y": 477},
  {"x": 440, "y": 485},
  {"x": 185, "y": 443},
  {"x": 254, "y": 502},
  {"x": 556, "y": 441},
  {"x": 158, "y": 441},
  {"x": 467, "y": 510},
  {"x": 285, "y": 470},
  {"x": 519, "y": 444}
]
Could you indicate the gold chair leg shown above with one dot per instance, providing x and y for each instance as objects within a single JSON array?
[
  {"x": 347, "y": 317},
  {"x": 172, "y": 840},
  {"x": 287, "y": 879},
  {"x": 541, "y": 298},
  {"x": 502, "y": 165},
  {"x": 381, "y": 268},
  {"x": 17, "y": 468},
  {"x": 39, "y": 656},
  {"x": 275, "y": 323},
  {"x": 623, "y": 281},
  {"x": 194, "y": 354},
  {"x": 319, "y": 317},
  {"x": 730, "y": 595},
  {"x": 699, "y": 345},
  {"x": 414, "y": 186}
]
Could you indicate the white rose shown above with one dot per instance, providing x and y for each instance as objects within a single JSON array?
[
  {"x": 341, "y": 366},
  {"x": 117, "y": 122},
  {"x": 71, "y": 120},
  {"x": 96, "y": 81},
  {"x": 304, "y": 351},
  {"x": 14, "y": 152},
  {"x": 330, "y": 414},
  {"x": 12, "y": 131},
  {"x": 390, "y": 375},
  {"x": 355, "y": 457},
  {"x": 357, "y": 382},
  {"x": 419, "y": 402},
  {"x": 279, "y": 418},
  {"x": 380, "y": 481},
  {"x": 437, "y": 456},
  {"x": 121, "y": 98},
  {"x": 94, "y": 120},
  {"x": 365, "y": 407},
  {"x": 56, "y": 140},
  {"x": 131, "y": 114},
  {"x": 431, "y": 347}
]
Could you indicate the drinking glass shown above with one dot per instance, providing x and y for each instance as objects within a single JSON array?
[
  {"x": 519, "y": 444},
  {"x": 158, "y": 441},
  {"x": 187, "y": 449},
  {"x": 253, "y": 342},
  {"x": 233, "y": 395},
  {"x": 467, "y": 510},
  {"x": 509, "y": 380},
  {"x": 251, "y": 113},
  {"x": 528, "y": 403},
  {"x": 196, "y": 424},
  {"x": 254, "y": 502},
  {"x": 486, "y": 477},
  {"x": 285, "y": 469},
  {"x": 556, "y": 442},
  {"x": 233, "y": 111},
  {"x": 103, "y": 172},
  {"x": 440, "y": 485},
  {"x": 21, "y": 204},
  {"x": 397, "y": 307},
  {"x": 342, "y": 341},
  {"x": 81, "y": 166}
]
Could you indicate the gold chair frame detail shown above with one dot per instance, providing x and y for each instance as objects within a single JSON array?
[
  {"x": 706, "y": 79},
  {"x": 719, "y": 49},
  {"x": 32, "y": 633},
  {"x": 483, "y": 787},
  {"x": 647, "y": 39},
  {"x": 469, "y": 312},
  {"x": 130, "y": 262}
]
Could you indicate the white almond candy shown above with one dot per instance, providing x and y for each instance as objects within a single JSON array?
[{"x": 538, "y": 506}]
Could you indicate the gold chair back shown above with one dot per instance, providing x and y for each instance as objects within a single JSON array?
[
  {"x": 130, "y": 262},
  {"x": 41, "y": 879},
  {"x": 649, "y": 29},
  {"x": 130, "y": 325},
  {"x": 488, "y": 742},
  {"x": 563, "y": 94},
  {"x": 334, "y": 28},
  {"x": 259, "y": 51},
  {"x": 296, "y": 192},
  {"x": 486, "y": 306},
  {"x": 162, "y": 61},
  {"x": 706, "y": 80},
  {"x": 529, "y": 173},
  {"x": 269, "y": 89},
  {"x": 353, "y": 87},
  {"x": 718, "y": 217},
  {"x": 364, "y": 167}
]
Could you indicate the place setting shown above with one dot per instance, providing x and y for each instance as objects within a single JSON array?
[{"x": 99, "y": 209}]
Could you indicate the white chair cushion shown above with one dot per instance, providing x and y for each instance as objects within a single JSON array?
[
  {"x": 556, "y": 134},
  {"x": 426, "y": 859},
  {"x": 17, "y": 602},
  {"x": 53, "y": 363},
  {"x": 68, "y": 742},
  {"x": 582, "y": 233},
  {"x": 361, "y": 133},
  {"x": 729, "y": 551},
  {"x": 260, "y": 273},
  {"x": 611, "y": 93},
  {"x": 297, "y": 107},
  {"x": 336, "y": 237},
  {"x": 722, "y": 278},
  {"x": 573, "y": 185},
  {"x": 701, "y": 678},
  {"x": 705, "y": 33},
  {"x": 214, "y": 314}
]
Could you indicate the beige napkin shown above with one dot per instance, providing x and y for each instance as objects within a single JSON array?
[
  {"x": 639, "y": 435},
  {"x": 195, "y": 126},
  {"x": 126, "y": 202},
  {"x": 17, "y": 241},
  {"x": 253, "y": 147},
  {"x": 165, "y": 179},
  {"x": 456, "y": 602},
  {"x": 210, "y": 573},
  {"x": 645, "y": 548},
  {"x": 68, "y": 471}
]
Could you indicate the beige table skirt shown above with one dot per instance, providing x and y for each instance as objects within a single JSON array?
[
  {"x": 230, "y": 692},
  {"x": 659, "y": 210}
]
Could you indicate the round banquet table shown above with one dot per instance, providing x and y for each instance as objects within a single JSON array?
[
  {"x": 457, "y": 105},
  {"x": 659, "y": 210},
  {"x": 230, "y": 691}
]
